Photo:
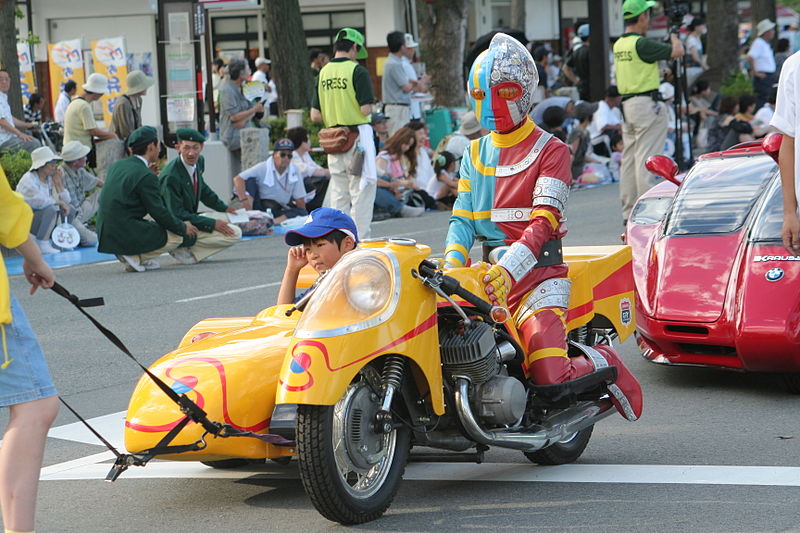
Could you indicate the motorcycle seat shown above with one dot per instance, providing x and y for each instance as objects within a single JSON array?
[{"x": 589, "y": 387}]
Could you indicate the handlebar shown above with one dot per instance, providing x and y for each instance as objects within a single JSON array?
[{"x": 451, "y": 286}]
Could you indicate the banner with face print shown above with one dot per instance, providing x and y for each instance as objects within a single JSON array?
[
  {"x": 25, "y": 71},
  {"x": 65, "y": 62},
  {"x": 111, "y": 60}
]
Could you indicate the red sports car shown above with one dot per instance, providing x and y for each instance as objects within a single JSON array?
[{"x": 714, "y": 285}]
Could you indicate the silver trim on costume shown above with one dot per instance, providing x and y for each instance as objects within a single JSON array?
[
  {"x": 528, "y": 160},
  {"x": 511, "y": 214},
  {"x": 552, "y": 192},
  {"x": 553, "y": 292},
  {"x": 600, "y": 362},
  {"x": 518, "y": 260}
]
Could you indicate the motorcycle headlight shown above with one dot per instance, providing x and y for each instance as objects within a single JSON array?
[{"x": 366, "y": 284}]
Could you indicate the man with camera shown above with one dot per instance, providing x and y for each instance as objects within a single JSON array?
[{"x": 645, "y": 116}]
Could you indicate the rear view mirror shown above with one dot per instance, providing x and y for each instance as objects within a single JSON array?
[
  {"x": 664, "y": 167},
  {"x": 772, "y": 145}
]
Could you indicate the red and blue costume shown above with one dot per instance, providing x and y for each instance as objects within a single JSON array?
[{"x": 513, "y": 189}]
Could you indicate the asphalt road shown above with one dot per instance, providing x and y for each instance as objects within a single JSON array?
[{"x": 693, "y": 417}]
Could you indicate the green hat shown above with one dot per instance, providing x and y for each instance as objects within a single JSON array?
[
  {"x": 189, "y": 134},
  {"x": 634, "y": 8},
  {"x": 357, "y": 37},
  {"x": 143, "y": 135}
]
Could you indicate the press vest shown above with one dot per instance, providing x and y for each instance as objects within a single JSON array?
[
  {"x": 337, "y": 95},
  {"x": 633, "y": 75}
]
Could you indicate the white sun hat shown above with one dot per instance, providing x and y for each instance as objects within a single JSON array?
[
  {"x": 41, "y": 156},
  {"x": 96, "y": 83},
  {"x": 74, "y": 150}
]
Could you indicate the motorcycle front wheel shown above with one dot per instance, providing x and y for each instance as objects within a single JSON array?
[
  {"x": 563, "y": 452},
  {"x": 349, "y": 471}
]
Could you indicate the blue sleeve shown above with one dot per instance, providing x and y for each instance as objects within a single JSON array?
[{"x": 461, "y": 233}]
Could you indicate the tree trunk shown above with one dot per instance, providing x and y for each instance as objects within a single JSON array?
[
  {"x": 722, "y": 44},
  {"x": 8, "y": 54},
  {"x": 443, "y": 37},
  {"x": 289, "y": 53},
  {"x": 518, "y": 14}
]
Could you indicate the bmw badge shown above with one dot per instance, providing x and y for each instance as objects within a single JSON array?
[{"x": 774, "y": 274}]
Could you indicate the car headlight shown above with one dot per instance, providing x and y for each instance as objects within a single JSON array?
[{"x": 367, "y": 285}]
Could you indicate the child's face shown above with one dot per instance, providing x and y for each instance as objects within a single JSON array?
[
  {"x": 451, "y": 167},
  {"x": 322, "y": 254}
]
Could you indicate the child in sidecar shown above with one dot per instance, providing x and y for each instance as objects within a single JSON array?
[{"x": 326, "y": 236}]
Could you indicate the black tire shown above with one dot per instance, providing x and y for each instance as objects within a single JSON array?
[
  {"x": 330, "y": 491},
  {"x": 563, "y": 452},
  {"x": 792, "y": 382},
  {"x": 225, "y": 464}
]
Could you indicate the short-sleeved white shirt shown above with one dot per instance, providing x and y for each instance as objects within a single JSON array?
[
  {"x": 786, "y": 118},
  {"x": 763, "y": 56},
  {"x": 279, "y": 188},
  {"x": 5, "y": 112},
  {"x": 604, "y": 116}
]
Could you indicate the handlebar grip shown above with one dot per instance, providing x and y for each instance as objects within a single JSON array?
[{"x": 451, "y": 286}]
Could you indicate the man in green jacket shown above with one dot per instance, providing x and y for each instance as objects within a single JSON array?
[
  {"x": 130, "y": 194},
  {"x": 183, "y": 188}
]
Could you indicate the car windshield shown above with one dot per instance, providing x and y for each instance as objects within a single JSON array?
[
  {"x": 769, "y": 224},
  {"x": 650, "y": 210},
  {"x": 718, "y": 194}
]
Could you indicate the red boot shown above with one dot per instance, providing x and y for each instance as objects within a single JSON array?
[{"x": 626, "y": 393}]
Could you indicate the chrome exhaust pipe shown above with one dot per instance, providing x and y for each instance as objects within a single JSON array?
[{"x": 553, "y": 429}]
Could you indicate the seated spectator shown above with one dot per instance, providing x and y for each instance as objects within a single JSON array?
[
  {"x": 380, "y": 127},
  {"x": 132, "y": 220},
  {"x": 579, "y": 140},
  {"x": 455, "y": 143},
  {"x": 702, "y": 103},
  {"x": 606, "y": 120},
  {"x": 762, "y": 118},
  {"x": 565, "y": 102},
  {"x": 183, "y": 188},
  {"x": 553, "y": 121},
  {"x": 83, "y": 187},
  {"x": 11, "y": 135},
  {"x": 423, "y": 171},
  {"x": 315, "y": 177},
  {"x": 43, "y": 190},
  {"x": 127, "y": 115},
  {"x": 326, "y": 236},
  {"x": 274, "y": 184},
  {"x": 719, "y": 125},
  {"x": 33, "y": 109},
  {"x": 394, "y": 166},
  {"x": 64, "y": 98},
  {"x": 444, "y": 189},
  {"x": 747, "y": 108}
]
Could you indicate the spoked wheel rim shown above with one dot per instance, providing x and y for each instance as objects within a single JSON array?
[{"x": 363, "y": 457}]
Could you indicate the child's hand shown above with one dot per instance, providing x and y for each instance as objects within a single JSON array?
[{"x": 296, "y": 258}]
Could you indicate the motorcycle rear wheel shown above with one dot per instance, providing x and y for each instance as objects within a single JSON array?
[
  {"x": 350, "y": 473},
  {"x": 564, "y": 452}
]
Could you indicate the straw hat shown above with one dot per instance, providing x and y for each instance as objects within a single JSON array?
[
  {"x": 96, "y": 83},
  {"x": 41, "y": 156},
  {"x": 764, "y": 26},
  {"x": 74, "y": 150},
  {"x": 137, "y": 82}
]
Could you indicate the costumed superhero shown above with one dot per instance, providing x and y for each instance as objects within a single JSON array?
[{"x": 512, "y": 194}]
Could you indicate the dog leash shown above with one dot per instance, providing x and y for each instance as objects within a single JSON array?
[{"x": 192, "y": 412}]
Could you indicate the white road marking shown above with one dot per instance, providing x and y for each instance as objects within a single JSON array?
[
  {"x": 111, "y": 427},
  {"x": 225, "y": 293}
]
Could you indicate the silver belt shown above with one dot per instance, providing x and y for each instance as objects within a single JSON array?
[{"x": 511, "y": 214}]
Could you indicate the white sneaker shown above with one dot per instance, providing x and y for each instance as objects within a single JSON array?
[
  {"x": 408, "y": 212},
  {"x": 151, "y": 264},
  {"x": 131, "y": 263},
  {"x": 183, "y": 256},
  {"x": 46, "y": 248}
]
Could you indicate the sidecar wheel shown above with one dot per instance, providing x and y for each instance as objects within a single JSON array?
[
  {"x": 350, "y": 472},
  {"x": 566, "y": 451}
]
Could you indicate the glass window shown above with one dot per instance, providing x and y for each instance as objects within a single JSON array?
[
  {"x": 769, "y": 223},
  {"x": 718, "y": 194},
  {"x": 226, "y": 25},
  {"x": 352, "y": 19},
  {"x": 650, "y": 210},
  {"x": 316, "y": 21}
]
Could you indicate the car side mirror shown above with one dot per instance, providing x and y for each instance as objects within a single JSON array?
[
  {"x": 772, "y": 145},
  {"x": 664, "y": 167}
]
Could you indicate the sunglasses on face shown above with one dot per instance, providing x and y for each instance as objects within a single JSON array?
[{"x": 284, "y": 155}]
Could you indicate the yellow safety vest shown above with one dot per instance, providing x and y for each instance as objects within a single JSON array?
[
  {"x": 633, "y": 75},
  {"x": 337, "y": 95}
]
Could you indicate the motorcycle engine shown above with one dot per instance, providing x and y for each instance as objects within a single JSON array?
[{"x": 473, "y": 352}]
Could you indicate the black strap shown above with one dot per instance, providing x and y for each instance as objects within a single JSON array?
[{"x": 192, "y": 411}]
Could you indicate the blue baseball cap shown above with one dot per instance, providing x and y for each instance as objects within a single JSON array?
[{"x": 319, "y": 223}]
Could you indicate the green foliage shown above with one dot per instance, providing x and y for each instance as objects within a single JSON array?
[
  {"x": 31, "y": 39},
  {"x": 18, "y": 13},
  {"x": 736, "y": 84},
  {"x": 278, "y": 130},
  {"x": 15, "y": 164}
]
